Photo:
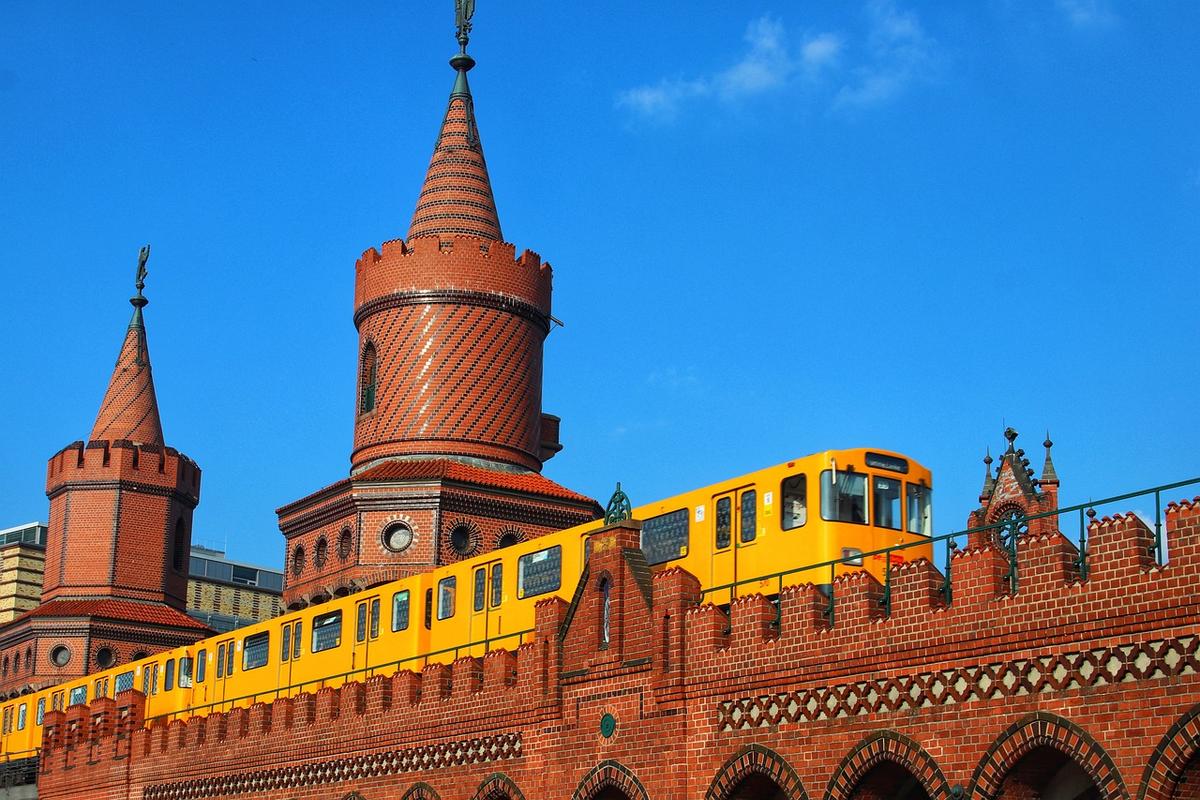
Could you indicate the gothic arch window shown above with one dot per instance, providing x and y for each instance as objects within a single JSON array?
[
  {"x": 179, "y": 547},
  {"x": 368, "y": 378},
  {"x": 605, "y": 587}
]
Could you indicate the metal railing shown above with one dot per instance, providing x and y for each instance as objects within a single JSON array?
[
  {"x": 1005, "y": 533},
  {"x": 339, "y": 678}
]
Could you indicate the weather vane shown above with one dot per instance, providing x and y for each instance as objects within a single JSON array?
[
  {"x": 139, "y": 281},
  {"x": 465, "y": 9}
]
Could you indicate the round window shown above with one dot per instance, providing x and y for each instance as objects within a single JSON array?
[
  {"x": 345, "y": 544},
  {"x": 140, "y": 654},
  {"x": 321, "y": 553},
  {"x": 105, "y": 657},
  {"x": 397, "y": 537},
  {"x": 60, "y": 656},
  {"x": 463, "y": 539},
  {"x": 508, "y": 539}
]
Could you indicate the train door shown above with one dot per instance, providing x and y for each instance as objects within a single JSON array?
[
  {"x": 484, "y": 605},
  {"x": 735, "y": 539},
  {"x": 366, "y": 631},
  {"x": 223, "y": 670},
  {"x": 291, "y": 636}
]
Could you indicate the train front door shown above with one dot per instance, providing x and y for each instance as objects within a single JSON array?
[
  {"x": 366, "y": 632},
  {"x": 487, "y": 593},
  {"x": 735, "y": 536},
  {"x": 291, "y": 636}
]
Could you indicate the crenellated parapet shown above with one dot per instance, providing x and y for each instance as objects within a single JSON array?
[{"x": 102, "y": 463}]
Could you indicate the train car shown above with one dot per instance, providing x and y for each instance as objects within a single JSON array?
[{"x": 805, "y": 521}]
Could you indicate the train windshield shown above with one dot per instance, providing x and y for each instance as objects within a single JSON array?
[
  {"x": 844, "y": 497},
  {"x": 920, "y": 509}
]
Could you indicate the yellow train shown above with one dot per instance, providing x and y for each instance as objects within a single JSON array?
[{"x": 837, "y": 504}]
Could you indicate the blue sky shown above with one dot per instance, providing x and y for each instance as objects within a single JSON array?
[{"x": 776, "y": 228}]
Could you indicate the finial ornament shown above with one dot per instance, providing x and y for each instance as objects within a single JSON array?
[
  {"x": 139, "y": 281},
  {"x": 619, "y": 508},
  {"x": 139, "y": 301},
  {"x": 464, "y": 10}
]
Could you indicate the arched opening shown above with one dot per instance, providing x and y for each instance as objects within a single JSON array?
[
  {"x": 368, "y": 376},
  {"x": 888, "y": 780},
  {"x": 757, "y": 787},
  {"x": 612, "y": 793},
  {"x": 1049, "y": 774},
  {"x": 605, "y": 610},
  {"x": 1188, "y": 787}
]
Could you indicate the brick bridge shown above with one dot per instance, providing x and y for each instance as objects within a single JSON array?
[{"x": 1068, "y": 688}]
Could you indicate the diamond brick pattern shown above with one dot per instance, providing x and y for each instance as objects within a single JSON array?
[
  {"x": 1041, "y": 675},
  {"x": 130, "y": 408},
  {"x": 391, "y": 762}
]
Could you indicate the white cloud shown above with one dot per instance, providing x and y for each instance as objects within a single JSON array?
[
  {"x": 821, "y": 51},
  {"x": 1088, "y": 13},
  {"x": 660, "y": 101},
  {"x": 899, "y": 52}
]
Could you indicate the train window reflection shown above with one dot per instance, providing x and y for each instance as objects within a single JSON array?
[
  {"x": 497, "y": 585},
  {"x": 201, "y": 665},
  {"x": 794, "y": 491},
  {"x": 185, "y": 672},
  {"x": 124, "y": 683},
  {"x": 446, "y": 591},
  {"x": 724, "y": 522},
  {"x": 749, "y": 521},
  {"x": 885, "y": 502},
  {"x": 480, "y": 588},
  {"x": 400, "y": 611},
  {"x": 540, "y": 572},
  {"x": 326, "y": 631},
  {"x": 920, "y": 509},
  {"x": 665, "y": 537},
  {"x": 847, "y": 500},
  {"x": 256, "y": 650}
]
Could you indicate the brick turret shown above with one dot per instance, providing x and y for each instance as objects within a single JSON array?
[
  {"x": 449, "y": 434},
  {"x": 115, "y": 580}
]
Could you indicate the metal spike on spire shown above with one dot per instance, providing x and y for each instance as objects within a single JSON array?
[
  {"x": 139, "y": 302},
  {"x": 989, "y": 483},
  {"x": 464, "y": 10},
  {"x": 1048, "y": 472}
]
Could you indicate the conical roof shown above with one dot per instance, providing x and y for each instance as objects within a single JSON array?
[
  {"x": 130, "y": 407},
  {"x": 457, "y": 195}
]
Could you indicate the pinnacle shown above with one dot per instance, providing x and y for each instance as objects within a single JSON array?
[
  {"x": 457, "y": 195},
  {"x": 130, "y": 407}
]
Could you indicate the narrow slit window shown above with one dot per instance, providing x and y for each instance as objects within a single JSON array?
[{"x": 370, "y": 370}]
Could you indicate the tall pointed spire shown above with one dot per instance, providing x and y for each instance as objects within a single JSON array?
[
  {"x": 456, "y": 197},
  {"x": 130, "y": 407},
  {"x": 1049, "y": 474}
]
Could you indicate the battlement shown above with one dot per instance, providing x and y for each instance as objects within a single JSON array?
[
  {"x": 104, "y": 461},
  {"x": 452, "y": 263}
]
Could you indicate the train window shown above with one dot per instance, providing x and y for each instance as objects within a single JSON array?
[
  {"x": 124, "y": 682},
  {"x": 41, "y": 710},
  {"x": 665, "y": 537},
  {"x": 78, "y": 696},
  {"x": 326, "y": 631},
  {"x": 497, "y": 585},
  {"x": 920, "y": 509},
  {"x": 201, "y": 665},
  {"x": 480, "y": 588},
  {"x": 296, "y": 637},
  {"x": 101, "y": 688},
  {"x": 146, "y": 677},
  {"x": 185, "y": 672},
  {"x": 360, "y": 630},
  {"x": 256, "y": 651},
  {"x": 428, "y": 608},
  {"x": 446, "y": 591},
  {"x": 169, "y": 675},
  {"x": 22, "y": 712},
  {"x": 221, "y": 661},
  {"x": 400, "y": 611},
  {"x": 845, "y": 500},
  {"x": 724, "y": 525},
  {"x": 56, "y": 701},
  {"x": 749, "y": 521},
  {"x": 540, "y": 572},
  {"x": 285, "y": 649},
  {"x": 7, "y": 726},
  {"x": 375, "y": 618},
  {"x": 229, "y": 661},
  {"x": 794, "y": 491},
  {"x": 885, "y": 502}
]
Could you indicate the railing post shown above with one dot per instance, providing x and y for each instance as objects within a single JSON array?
[
  {"x": 1158, "y": 542},
  {"x": 947, "y": 586},
  {"x": 886, "y": 600},
  {"x": 829, "y": 609},
  {"x": 1014, "y": 530},
  {"x": 1082, "y": 558}
]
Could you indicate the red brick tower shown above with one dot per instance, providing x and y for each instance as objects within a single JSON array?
[
  {"x": 115, "y": 581},
  {"x": 449, "y": 434}
]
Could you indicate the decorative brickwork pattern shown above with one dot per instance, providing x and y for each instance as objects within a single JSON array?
[
  {"x": 751, "y": 761},
  {"x": 1043, "y": 729},
  {"x": 1040, "y": 675},
  {"x": 130, "y": 407},
  {"x": 498, "y": 787},
  {"x": 394, "y": 762},
  {"x": 610, "y": 775},
  {"x": 887, "y": 746}
]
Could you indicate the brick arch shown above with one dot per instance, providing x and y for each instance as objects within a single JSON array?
[
  {"x": 497, "y": 786},
  {"x": 354, "y": 796},
  {"x": 754, "y": 760},
  {"x": 1043, "y": 729},
  {"x": 887, "y": 746},
  {"x": 610, "y": 774},
  {"x": 421, "y": 791},
  {"x": 1177, "y": 748}
]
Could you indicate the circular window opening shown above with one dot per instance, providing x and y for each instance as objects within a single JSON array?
[
  {"x": 461, "y": 539},
  {"x": 298, "y": 560},
  {"x": 321, "y": 553},
  {"x": 140, "y": 654},
  {"x": 397, "y": 537},
  {"x": 105, "y": 657},
  {"x": 60, "y": 656},
  {"x": 345, "y": 544},
  {"x": 507, "y": 539}
]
